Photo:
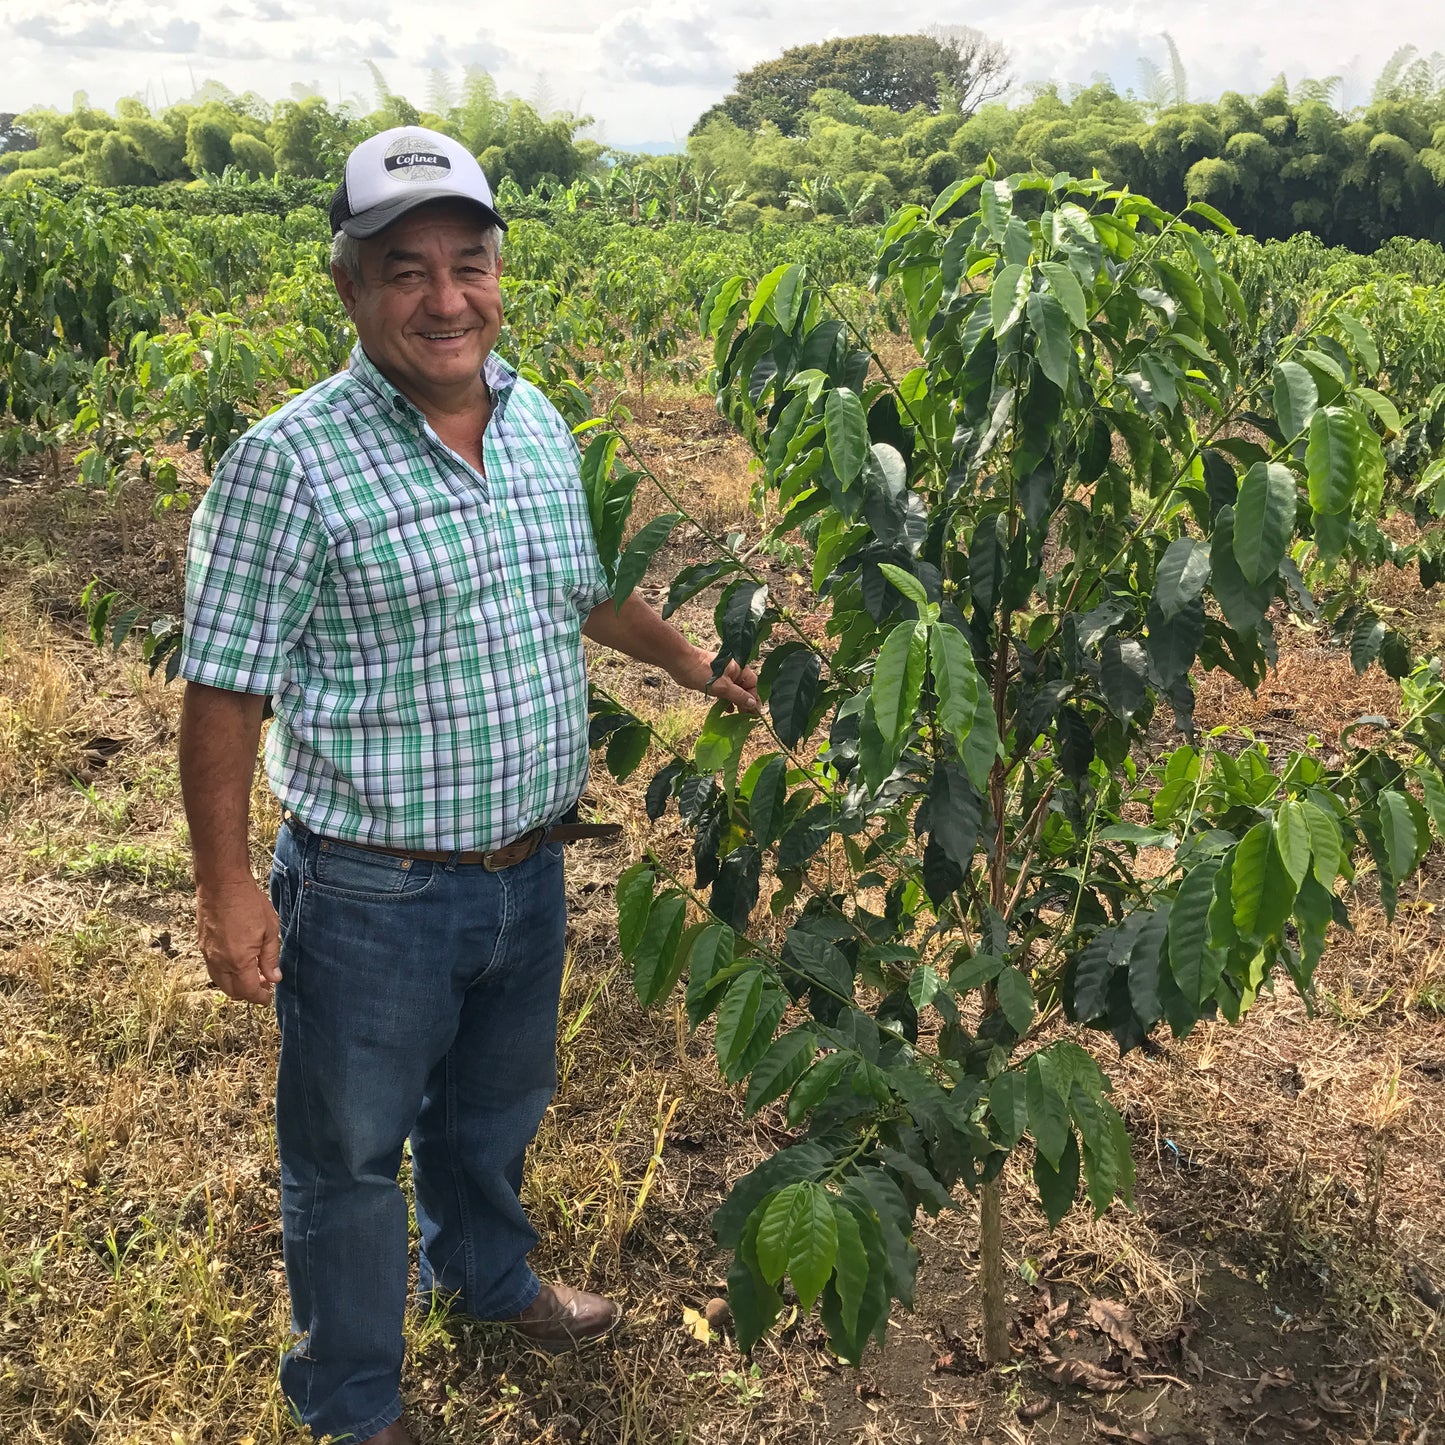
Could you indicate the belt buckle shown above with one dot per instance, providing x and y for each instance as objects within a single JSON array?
[{"x": 517, "y": 851}]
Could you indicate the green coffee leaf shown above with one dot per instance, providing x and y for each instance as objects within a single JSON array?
[
  {"x": 658, "y": 962},
  {"x": 1181, "y": 576},
  {"x": 626, "y": 749},
  {"x": 1296, "y": 398},
  {"x": 793, "y": 695},
  {"x": 956, "y": 681},
  {"x": 1260, "y": 885},
  {"x": 755, "y": 1304},
  {"x": 851, "y": 1265},
  {"x": 708, "y": 964},
  {"x": 1123, "y": 674},
  {"x": 787, "y": 1059},
  {"x": 1057, "y": 1178},
  {"x": 1048, "y": 1114},
  {"x": 1196, "y": 965},
  {"x": 1063, "y": 284},
  {"x": 1008, "y": 1106},
  {"x": 923, "y": 985},
  {"x": 1055, "y": 348},
  {"x": 905, "y": 582},
  {"x": 638, "y": 554},
  {"x": 634, "y": 901},
  {"x": 766, "y": 806},
  {"x": 1397, "y": 824},
  {"x": 1332, "y": 459},
  {"x": 1264, "y": 520},
  {"x": 799, "y": 1233},
  {"x": 1007, "y": 297},
  {"x": 898, "y": 679},
  {"x": 1326, "y": 845},
  {"x": 1244, "y": 604},
  {"x": 1015, "y": 998},
  {"x": 846, "y": 431}
]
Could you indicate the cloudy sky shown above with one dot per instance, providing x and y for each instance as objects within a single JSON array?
[{"x": 645, "y": 71}]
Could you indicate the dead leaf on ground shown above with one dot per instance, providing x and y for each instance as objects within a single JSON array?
[
  {"x": 1084, "y": 1373},
  {"x": 1270, "y": 1380},
  {"x": 1048, "y": 1316},
  {"x": 1116, "y": 1321},
  {"x": 1327, "y": 1401},
  {"x": 1033, "y": 1409},
  {"x": 1136, "y": 1436},
  {"x": 696, "y": 1326}
]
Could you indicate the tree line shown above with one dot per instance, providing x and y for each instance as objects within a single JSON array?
[
  {"x": 218, "y": 133},
  {"x": 840, "y": 131},
  {"x": 1290, "y": 159}
]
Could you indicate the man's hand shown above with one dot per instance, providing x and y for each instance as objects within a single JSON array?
[
  {"x": 636, "y": 630},
  {"x": 240, "y": 939},
  {"x": 736, "y": 688}
]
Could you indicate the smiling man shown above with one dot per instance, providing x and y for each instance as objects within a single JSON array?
[{"x": 401, "y": 560}]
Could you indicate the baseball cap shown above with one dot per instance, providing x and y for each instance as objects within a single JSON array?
[{"x": 388, "y": 174}]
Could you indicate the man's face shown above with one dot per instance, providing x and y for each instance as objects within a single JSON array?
[{"x": 428, "y": 308}]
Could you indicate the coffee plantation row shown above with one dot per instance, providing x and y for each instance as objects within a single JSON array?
[{"x": 1127, "y": 449}]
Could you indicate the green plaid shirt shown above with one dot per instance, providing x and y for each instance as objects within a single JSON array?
[{"x": 417, "y": 625}]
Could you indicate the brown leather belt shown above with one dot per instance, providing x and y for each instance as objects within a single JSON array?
[{"x": 496, "y": 860}]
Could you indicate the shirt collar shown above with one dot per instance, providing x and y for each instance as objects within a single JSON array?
[{"x": 499, "y": 376}]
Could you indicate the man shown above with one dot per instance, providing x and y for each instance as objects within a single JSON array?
[{"x": 401, "y": 558}]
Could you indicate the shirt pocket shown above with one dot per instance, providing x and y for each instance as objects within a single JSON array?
[{"x": 553, "y": 540}]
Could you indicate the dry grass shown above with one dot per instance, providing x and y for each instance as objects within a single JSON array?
[{"x": 1290, "y": 1171}]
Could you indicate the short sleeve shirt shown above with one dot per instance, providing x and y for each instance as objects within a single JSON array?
[{"x": 416, "y": 624}]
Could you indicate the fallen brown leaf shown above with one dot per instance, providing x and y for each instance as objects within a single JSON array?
[
  {"x": 1084, "y": 1373},
  {"x": 1032, "y": 1410},
  {"x": 1116, "y": 1321},
  {"x": 1327, "y": 1401},
  {"x": 1270, "y": 1380},
  {"x": 1133, "y": 1437},
  {"x": 1045, "y": 1322}
]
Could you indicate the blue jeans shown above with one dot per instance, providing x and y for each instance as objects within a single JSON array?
[{"x": 416, "y": 1000}]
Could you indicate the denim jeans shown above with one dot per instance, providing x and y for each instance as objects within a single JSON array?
[{"x": 417, "y": 1000}]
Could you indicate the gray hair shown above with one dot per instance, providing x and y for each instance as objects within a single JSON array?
[{"x": 346, "y": 251}]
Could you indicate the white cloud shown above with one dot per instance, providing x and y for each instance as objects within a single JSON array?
[
  {"x": 668, "y": 44},
  {"x": 91, "y": 27},
  {"x": 451, "y": 55}
]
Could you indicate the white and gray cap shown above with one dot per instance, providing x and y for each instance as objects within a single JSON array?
[{"x": 388, "y": 174}]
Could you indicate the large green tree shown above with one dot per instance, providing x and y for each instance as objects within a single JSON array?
[{"x": 895, "y": 71}]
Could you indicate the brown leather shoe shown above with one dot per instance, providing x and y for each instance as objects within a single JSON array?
[{"x": 562, "y": 1318}]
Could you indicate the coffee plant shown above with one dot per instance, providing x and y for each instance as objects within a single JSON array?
[{"x": 989, "y": 828}]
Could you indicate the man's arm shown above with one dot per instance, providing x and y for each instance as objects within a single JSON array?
[
  {"x": 238, "y": 929},
  {"x": 639, "y": 632}
]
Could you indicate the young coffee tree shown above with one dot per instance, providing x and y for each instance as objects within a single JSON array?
[{"x": 1027, "y": 550}]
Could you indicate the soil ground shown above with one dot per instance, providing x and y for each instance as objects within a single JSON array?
[{"x": 1281, "y": 1278}]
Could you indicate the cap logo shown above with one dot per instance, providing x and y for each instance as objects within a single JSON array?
[{"x": 407, "y": 159}]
